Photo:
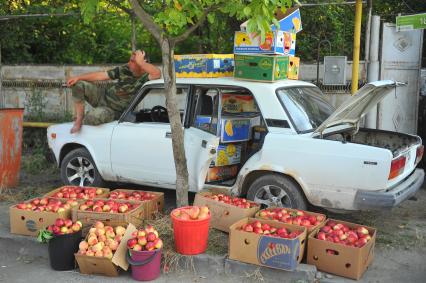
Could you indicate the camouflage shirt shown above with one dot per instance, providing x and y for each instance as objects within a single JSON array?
[{"x": 122, "y": 92}]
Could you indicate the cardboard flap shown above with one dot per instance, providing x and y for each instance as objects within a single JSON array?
[{"x": 119, "y": 257}]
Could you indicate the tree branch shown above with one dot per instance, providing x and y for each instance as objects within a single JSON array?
[
  {"x": 118, "y": 5},
  {"x": 184, "y": 35},
  {"x": 146, "y": 20}
]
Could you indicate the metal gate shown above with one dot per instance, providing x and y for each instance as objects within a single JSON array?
[{"x": 400, "y": 61}]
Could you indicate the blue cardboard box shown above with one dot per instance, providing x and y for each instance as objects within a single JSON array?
[
  {"x": 203, "y": 122},
  {"x": 204, "y": 65},
  {"x": 234, "y": 129},
  {"x": 276, "y": 42}
]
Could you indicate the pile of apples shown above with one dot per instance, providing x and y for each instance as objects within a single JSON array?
[
  {"x": 297, "y": 217},
  {"x": 266, "y": 229},
  {"x": 145, "y": 240},
  {"x": 341, "y": 234},
  {"x": 64, "y": 226},
  {"x": 46, "y": 204},
  {"x": 74, "y": 192},
  {"x": 239, "y": 202},
  {"x": 191, "y": 213},
  {"x": 135, "y": 195},
  {"x": 102, "y": 240},
  {"x": 109, "y": 206}
]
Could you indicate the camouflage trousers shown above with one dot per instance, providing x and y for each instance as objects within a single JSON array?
[{"x": 96, "y": 96}]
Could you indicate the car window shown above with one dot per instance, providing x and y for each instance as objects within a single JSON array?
[
  {"x": 152, "y": 106},
  {"x": 306, "y": 107},
  {"x": 206, "y": 109}
]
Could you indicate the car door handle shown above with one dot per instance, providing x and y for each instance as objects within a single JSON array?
[{"x": 168, "y": 135}]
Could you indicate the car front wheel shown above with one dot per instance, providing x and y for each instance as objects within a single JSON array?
[
  {"x": 275, "y": 190},
  {"x": 79, "y": 169}
]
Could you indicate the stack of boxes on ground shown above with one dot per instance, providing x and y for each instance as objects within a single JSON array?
[{"x": 231, "y": 114}]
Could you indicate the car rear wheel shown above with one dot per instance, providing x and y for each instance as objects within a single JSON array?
[
  {"x": 275, "y": 190},
  {"x": 79, "y": 169}
]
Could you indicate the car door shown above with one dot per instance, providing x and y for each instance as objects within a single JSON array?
[{"x": 141, "y": 147}]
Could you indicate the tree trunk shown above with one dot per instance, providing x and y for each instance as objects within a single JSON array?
[{"x": 175, "y": 123}]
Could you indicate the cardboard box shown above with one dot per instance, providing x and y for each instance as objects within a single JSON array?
[
  {"x": 293, "y": 68},
  {"x": 309, "y": 213},
  {"x": 266, "y": 67},
  {"x": 26, "y": 222},
  {"x": 234, "y": 129},
  {"x": 51, "y": 193},
  {"x": 289, "y": 21},
  {"x": 150, "y": 207},
  {"x": 221, "y": 173},
  {"x": 227, "y": 154},
  {"x": 105, "y": 266},
  {"x": 223, "y": 215},
  {"x": 237, "y": 103},
  {"x": 88, "y": 218},
  {"x": 204, "y": 65},
  {"x": 276, "y": 42},
  {"x": 203, "y": 122},
  {"x": 349, "y": 262},
  {"x": 264, "y": 250}
]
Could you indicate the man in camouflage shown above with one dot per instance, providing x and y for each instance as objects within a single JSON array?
[{"x": 109, "y": 103}]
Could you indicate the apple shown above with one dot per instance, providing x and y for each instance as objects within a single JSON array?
[
  {"x": 131, "y": 243},
  {"x": 151, "y": 237},
  {"x": 83, "y": 245},
  {"x": 142, "y": 240}
]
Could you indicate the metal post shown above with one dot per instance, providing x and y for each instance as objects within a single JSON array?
[
  {"x": 373, "y": 66},
  {"x": 357, "y": 39},
  {"x": 367, "y": 33}
]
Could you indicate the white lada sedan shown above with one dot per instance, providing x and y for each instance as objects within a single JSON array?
[{"x": 279, "y": 144}]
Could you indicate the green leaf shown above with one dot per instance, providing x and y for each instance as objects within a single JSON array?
[
  {"x": 44, "y": 236},
  {"x": 247, "y": 11}
]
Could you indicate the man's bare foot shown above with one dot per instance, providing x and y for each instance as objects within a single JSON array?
[{"x": 76, "y": 127}]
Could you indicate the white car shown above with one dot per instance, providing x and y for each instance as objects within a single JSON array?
[{"x": 279, "y": 144}]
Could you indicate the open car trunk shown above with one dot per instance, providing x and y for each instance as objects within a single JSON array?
[{"x": 395, "y": 142}]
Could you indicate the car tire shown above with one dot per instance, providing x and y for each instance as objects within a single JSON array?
[
  {"x": 79, "y": 169},
  {"x": 274, "y": 190}
]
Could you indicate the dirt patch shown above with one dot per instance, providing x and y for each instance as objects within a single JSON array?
[{"x": 32, "y": 183}]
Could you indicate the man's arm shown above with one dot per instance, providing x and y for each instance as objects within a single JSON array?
[
  {"x": 89, "y": 77},
  {"x": 153, "y": 72}
]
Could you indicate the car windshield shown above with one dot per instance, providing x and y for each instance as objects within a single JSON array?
[{"x": 306, "y": 107}]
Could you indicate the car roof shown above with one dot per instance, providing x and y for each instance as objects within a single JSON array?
[{"x": 231, "y": 81}]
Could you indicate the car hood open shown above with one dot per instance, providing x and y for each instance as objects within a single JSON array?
[{"x": 355, "y": 107}]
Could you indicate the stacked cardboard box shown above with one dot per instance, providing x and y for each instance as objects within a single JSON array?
[{"x": 274, "y": 58}]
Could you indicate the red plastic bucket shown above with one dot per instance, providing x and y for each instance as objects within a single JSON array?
[
  {"x": 145, "y": 264},
  {"x": 190, "y": 235}
]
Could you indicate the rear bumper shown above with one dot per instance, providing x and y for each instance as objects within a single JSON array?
[{"x": 393, "y": 197}]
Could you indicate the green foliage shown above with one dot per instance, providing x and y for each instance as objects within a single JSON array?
[{"x": 35, "y": 105}]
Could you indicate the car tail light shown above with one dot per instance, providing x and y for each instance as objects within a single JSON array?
[
  {"x": 397, "y": 167},
  {"x": 419, "y": 153}
]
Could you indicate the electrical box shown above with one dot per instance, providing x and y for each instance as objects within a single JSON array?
[{"x": 334, "y": 70}]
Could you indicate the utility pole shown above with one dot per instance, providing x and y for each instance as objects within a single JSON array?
[{"x": 357, "y": 40}]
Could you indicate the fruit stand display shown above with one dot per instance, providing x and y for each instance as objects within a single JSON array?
[
  {"x": 27, "y": 218},
  {"x": 342, "y": 248},
  {"x": 310, "y": 220},
  {"x": 225, "y": 210},
  {"x": 111, "y": 212},
  {"x": 152, "y": 202},
  {"x": 78, "y": 193},
  {"x": 267, "y": 243},
  {"x": 104, "y": 249}
]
